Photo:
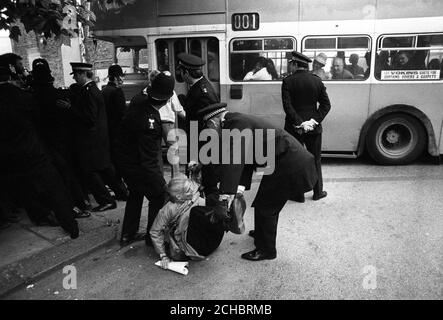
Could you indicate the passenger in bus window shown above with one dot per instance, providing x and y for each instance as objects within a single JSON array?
[
  {"x": 434, "y": 64},
  {"x": 260, "y": 71},
  {"x": 318, "y": 65},
  {"x": 382, "y": 63},
  {"x": 354, "y": 68},
  {"x": 338, "y": 70},
  {"x": 270, "y": 67},
  {"x": 402, "y": 61}
]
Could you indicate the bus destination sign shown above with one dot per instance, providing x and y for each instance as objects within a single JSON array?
[{"x": 245, "y": 21}]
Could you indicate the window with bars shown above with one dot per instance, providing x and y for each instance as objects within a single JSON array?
[
  {"x": 413, "y": 57},
  {"x": 339, "y": 57},
  {"x": 260, "y": 59}
]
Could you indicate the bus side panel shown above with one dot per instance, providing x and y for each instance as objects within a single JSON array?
[
  {"x": 262, "y": 99},
  {"x": 341, "y": 126},
  {"x": 427, "y": 97},
  {"x": 349, "y": 111}
]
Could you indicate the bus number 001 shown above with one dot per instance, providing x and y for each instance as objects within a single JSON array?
[{"x": 245, "y": 21}]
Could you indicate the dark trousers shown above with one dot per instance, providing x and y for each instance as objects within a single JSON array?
[
  {"x": 133, "y": 209},
  {"x": 266, "y": 220},
  {"x": 313, "y": 145},
  {"x": 45, "y": 189},
  {"x": 69, "y": 177},
  {"x": 96, "y": 181}
]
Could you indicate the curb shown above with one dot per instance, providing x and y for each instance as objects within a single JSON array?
[{"x": 19, "y": 274}]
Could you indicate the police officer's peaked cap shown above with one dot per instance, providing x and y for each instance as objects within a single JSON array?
[
  {"x": 80, "y": 67},
  {"x": 298, "y": 57},
  {"x": 190, "y": 61},
  {"x": 40, "y": 63},
  {"x": 162, "y": 87},
  {"x": 115, "y": 71},
  {"x": 210, "y": 111},
  {"x": 41, "y": 72}
]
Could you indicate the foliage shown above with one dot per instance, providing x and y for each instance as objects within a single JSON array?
[{"x": 52, "y": 17}]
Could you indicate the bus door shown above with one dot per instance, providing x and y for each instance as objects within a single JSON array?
[{"x": 207, "y": 48}]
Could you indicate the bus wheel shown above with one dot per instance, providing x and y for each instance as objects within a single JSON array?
[{"x": 396, "y": 139}]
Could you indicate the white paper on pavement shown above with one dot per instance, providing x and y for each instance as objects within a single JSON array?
[{"x": 176, "y": 266}]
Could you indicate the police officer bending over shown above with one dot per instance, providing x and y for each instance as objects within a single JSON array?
[
  {"x": 137, "y": 152},
  {"x": 294, "y": 169}
]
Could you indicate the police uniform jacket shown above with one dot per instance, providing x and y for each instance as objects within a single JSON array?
[
  {"x": 294, "y": 166},
  {"x": 21, "y": 152},
  {"x": 53, "y": 123},
  {"x": 301, "y": 92},
  {"x": 91, "y": 129},
  {"x": 115, "y": 103},
  {"x": 200, "y": 95},
  {"x": 138, "y": 147}
]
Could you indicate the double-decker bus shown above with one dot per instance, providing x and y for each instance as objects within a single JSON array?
[{"x": 390, "y": 103}]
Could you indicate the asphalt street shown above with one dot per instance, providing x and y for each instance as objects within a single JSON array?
[{"x": 378, "y": 235}]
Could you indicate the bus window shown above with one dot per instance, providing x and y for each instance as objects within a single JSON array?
[
  {"x": 213, "y": 60},
  {"x": 409, "y": 57},
  {"x": 162, "y": 55},
  {"x": 339, "y": 57},
  {"x": 195, "y": 48},
  {"x": 260, "y": 59},
  {"x": 179, "y": 47}
]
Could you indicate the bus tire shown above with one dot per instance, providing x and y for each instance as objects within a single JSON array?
[{"x": 396, "y": 139}]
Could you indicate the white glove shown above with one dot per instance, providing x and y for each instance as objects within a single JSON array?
[{"x": 307, "y": 126}]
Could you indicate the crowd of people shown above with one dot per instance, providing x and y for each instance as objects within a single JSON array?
[{"x": 57, "y": 146}]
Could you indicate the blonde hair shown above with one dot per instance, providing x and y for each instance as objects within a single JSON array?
[{"x": 181, "y": 188}]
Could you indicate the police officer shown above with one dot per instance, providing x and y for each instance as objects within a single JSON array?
[
  {"x": 54, "y": 128},
  {"x": 294, "y": 168},
  {"x": 138, "y": 147},
  {"x": 23, "y": 161},
  {"x": 115, "y": 103},
  {"x": 201, "y": 93},
  {"x": 91, "y": 136},
  {"x": 301, "y": 92}
]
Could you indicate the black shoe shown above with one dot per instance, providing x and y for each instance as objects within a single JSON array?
[
  {"x": 300, "y": 199},
  {"x": 251, "y": 233},
  {"x": 75, "y": 234},
  {"x": 127, "y": 240},
  {"x": 105, "y": 207},
  {"x": 48, "y": 221},
  {"x": 79, "y": 214},
  {"x": 323, "y": 194},
  {"x": 257, "y": 255}
]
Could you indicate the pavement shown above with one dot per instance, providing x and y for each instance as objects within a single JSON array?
[
  {"x": 378, "y": 235},
  {"x": 29, "y": 252}
]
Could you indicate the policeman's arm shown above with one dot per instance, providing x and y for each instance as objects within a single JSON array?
[
  {"x": 86, "y": 115},
  {"x": 237, "y": 172},
  {"x": 119, "y": 102},
  {"x": 287, "y": 104},
  {"x": 324, "y": 104}
]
